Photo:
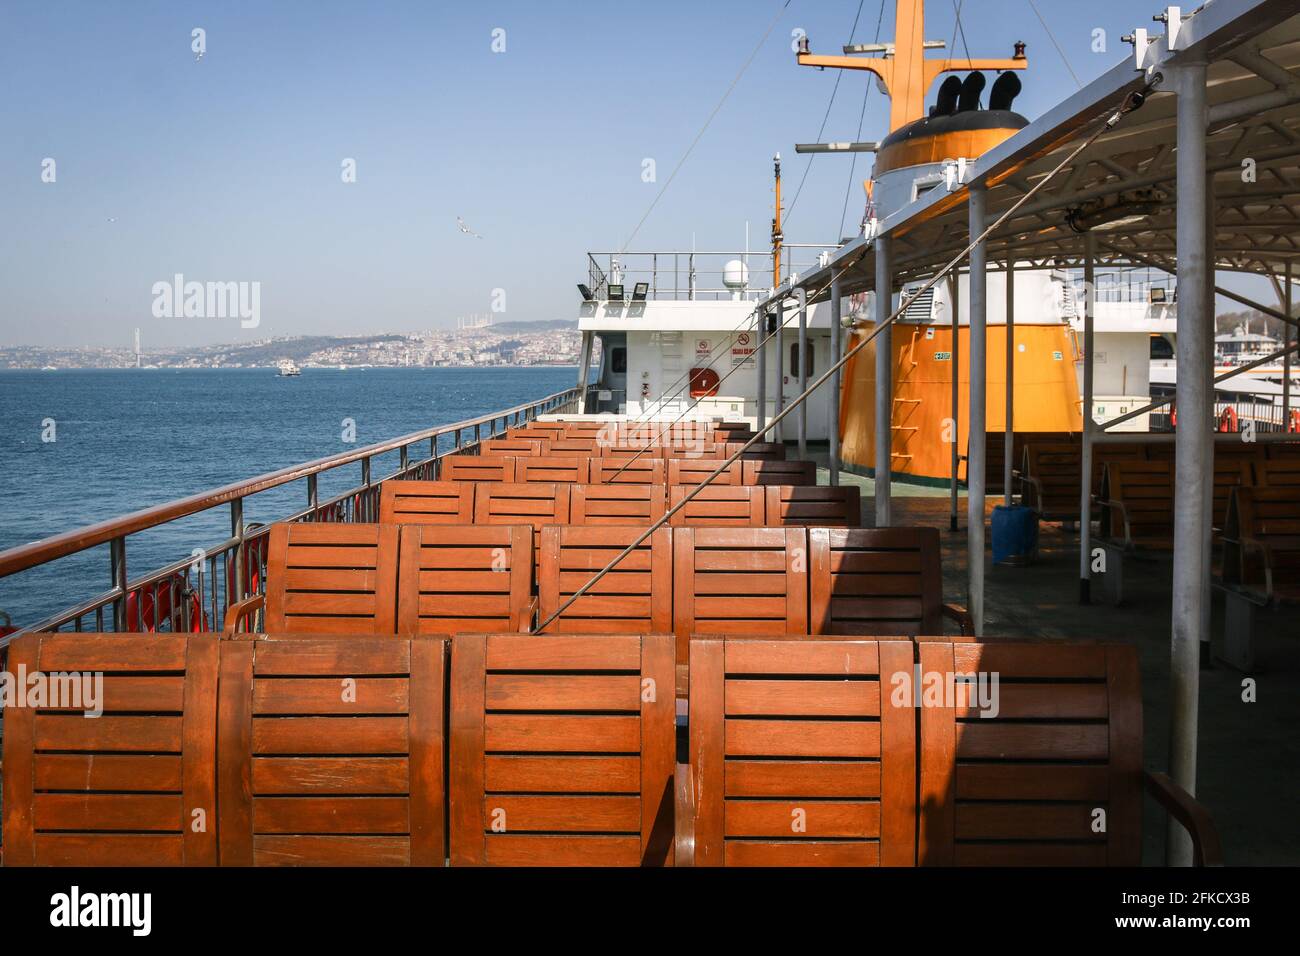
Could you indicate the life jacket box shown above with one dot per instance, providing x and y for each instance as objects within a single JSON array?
[{"x": 1015, "y": 534}]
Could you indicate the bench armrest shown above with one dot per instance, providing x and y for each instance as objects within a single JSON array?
[
  {"x": 1195, "y": 819},
  {"x": 684, "y": 816},
  {"x": 1029, "y": 482},
  {"x": 241, "y": 610},
  {"x": 528, "y": 618},
  {"x": 961, "y": 617},
  {"x": 1123, "y": 513}
]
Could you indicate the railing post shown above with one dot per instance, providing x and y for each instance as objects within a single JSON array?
[
  {"x": 362, "y": 510},
  {"x": 237, "y": 532},
  {"x": 405, "y": 459},
  {"x": 117, "y": 571},
  {"x": 313, "y": 497}
]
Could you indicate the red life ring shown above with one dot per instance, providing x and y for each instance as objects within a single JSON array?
[
  {"x": 1294, "y": 424},
  {"x": 150, "y": 605},
  {"x": 1228, "y": 419},
  {"x": 1173, "y": 416}
]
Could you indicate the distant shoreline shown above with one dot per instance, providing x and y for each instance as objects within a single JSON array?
[{"x": 272, "y": 368}]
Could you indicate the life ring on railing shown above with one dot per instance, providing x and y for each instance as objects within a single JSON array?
[
  {"x": 149, "y": 605},
  {"x": 1294, "y": 424},
  {"x": 7, "y": 625},
  {"x": 1228, "y": 419},
  {"x": 1173, "y": 416}
]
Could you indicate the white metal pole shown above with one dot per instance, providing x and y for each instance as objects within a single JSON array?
[
  {"x": 975, "y": 461},
  {"x": 954, "y": 284},
  {"x": 1085, "y": 438},
  {"x": 760, "y": 338},
  {"x": 1192, "y": 445},
  {"x": 884, "y": 437},
  {"x": 1009, "y": 442},
  {"x": 801, "y": 420},
  {"x": 833, "y": 424}
]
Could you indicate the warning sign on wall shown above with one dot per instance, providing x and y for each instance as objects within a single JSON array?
[{"x": 742, "y": 350}]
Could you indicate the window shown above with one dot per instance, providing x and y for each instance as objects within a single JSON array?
[
  {"x": 794, "y": 360},
  {"x": 618, "y": 361}
]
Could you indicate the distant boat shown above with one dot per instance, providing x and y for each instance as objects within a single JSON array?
[
  {"x": 288, "y": 369},
  {"x": 49, "y": 368}
]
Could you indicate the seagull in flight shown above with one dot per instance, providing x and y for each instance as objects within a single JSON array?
[{"x": 460, "y": 223}]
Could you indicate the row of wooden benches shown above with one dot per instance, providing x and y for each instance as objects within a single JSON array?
[
  {"x": 639, "y": 471},
  {"x": 539, "y": 503},
  {"x": 590, "y": 448},
  {"x": 437, "y": 579},
  {"x": 507, "y": 749},
  {"x": 1049, "y": 479},
  {"x": 625, "y": 432}
]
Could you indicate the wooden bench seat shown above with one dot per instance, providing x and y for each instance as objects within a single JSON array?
[
  {"x": 835, "y": 507},
  {"x": 1050, "y": 478},
  {"x": 1027, "y": 779},
  {"x": 1261, "y": 563},
  {"x": 797, "y": 757},
  {"x": 426, "y": 502},
  {"x": 764, "y": 472},
  {"x": 759, "y": 451},
  {"x": 476, "y": 468},
  {"x": 135, "y": 786},
  {"x": 562, "y": 750},
  {"x": 455, "y": 578},
  {"x": 331, "y": 751},
  {"x": 635, "y": 597},
  {"x": 514, "y": 446},
  {"x": 641, "y": 471},
  {"x": 616, "y": 504},
  {"x": 327, "y": 578},
  {"x": 734, "y": 506},
  {"x": 1278, "y": 472},
  {"x": 878, "y": 581}
]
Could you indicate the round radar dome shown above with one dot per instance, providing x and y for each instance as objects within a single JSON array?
[{"x": 735, "y": 275}]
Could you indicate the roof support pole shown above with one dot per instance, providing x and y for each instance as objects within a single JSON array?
[
  {"x": 1207, "y": 491},
  {"x": 884, "y": 429},
  {"x": 1085, "y": 457},
  {"x": 1011, "y": 381},
  {"x": 801, "y": 420},
  {"x": 833, "y": 406},
  {"x": 584, "y": 369},
  {"x": 1288, "y": 332},
  {"x": 954, "y": 284},
  {"x": 778, "y": 433},
  {"x": 975, "y": 460},
  {"x": 1192, "y": 449},
  {"x": 760, "y": 337}
]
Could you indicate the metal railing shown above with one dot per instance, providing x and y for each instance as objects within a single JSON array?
[
  {"x": 193, "y": 593},
  {"x": 692, "y": 274}
]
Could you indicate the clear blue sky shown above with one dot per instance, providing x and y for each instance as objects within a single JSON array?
[{"x": 228, "y": 168}]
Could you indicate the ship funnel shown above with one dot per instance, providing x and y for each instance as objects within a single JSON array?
[
  {"x": 946, "y": 104},
  {"x": 1005, "y": 90},
  {"x": 971, "y": 88}
]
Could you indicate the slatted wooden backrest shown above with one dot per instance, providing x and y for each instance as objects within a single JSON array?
[
  {"x": 779, "y": 473},
  {"x": 331, "y": 578},
  {"x": 687, "y": 471},
  {"x": 1230, "y": 471},
  {"x": 616, "y": 504},
  {"x": 882, "y": 581},
  {"x": 1146, "y": 490},
  {"x": 759, "y": 451},
  {"x": 514, "y": 446},
  {"x": 635, "y": 597},
  {"x": 456, "y": 578},
  {"x": 739, "y": 581},
  {"x": 591, "y": 429},
  {"x": 624, "y": 452},
  {"x": 332, "y": 751},
  {"x": 699, "y": 451},
  {"x": 535, "y": 504},
  {"x": 562, "y": 750},
  {"x": 1025, "y": 786},
  {"x": 724, "y": 506},
  {"x": 426, "y": 502},
  {"x": 133, "y": 787},
  {"x": 1269, "y": 516},
  {"x": 1283, "y": 449},
  {"x": 539, "y": 430},
  {"x": 476, "y": 468},
  {"x": 1104, "y": 453},
  {"x": 556, "y": 469},
  {"x": 1054, "y": 468},
  {"x": 797, "y": 756},
  {"x": 574, "y": 447},
  {"x": 838, "y": 507},
  {"x": 642, "y": 471},
  {"x": 1278, "y": 472}
]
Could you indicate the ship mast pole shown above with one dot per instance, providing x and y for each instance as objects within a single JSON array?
[{"x": 776, "y": 227}]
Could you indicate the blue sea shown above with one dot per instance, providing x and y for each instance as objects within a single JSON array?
[{"x": 130, "y": 439}]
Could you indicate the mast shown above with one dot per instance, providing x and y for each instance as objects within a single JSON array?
[
  {"x": 777, "y": 236},
  {"x": 902, "y": 66}
]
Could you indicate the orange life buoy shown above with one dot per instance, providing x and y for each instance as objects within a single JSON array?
[
  {"x": 1228, "y": 419},
  {"x": 1294, "y": 424},
  {"x": 148, "y": 606},
  {"x": 704, "y": 382}
]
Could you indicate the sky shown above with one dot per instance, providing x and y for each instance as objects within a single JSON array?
[{"x": 530, "y": 121}]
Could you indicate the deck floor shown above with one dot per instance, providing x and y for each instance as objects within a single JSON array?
[{"x": 1249, "y": 768}]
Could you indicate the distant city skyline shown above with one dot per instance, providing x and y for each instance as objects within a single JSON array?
[{"x": 395, "y": 165}]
